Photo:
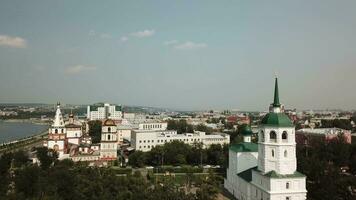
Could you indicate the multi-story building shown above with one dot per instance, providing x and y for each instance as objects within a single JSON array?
[
  {"x": 104, "y": 111},
  {"x": 267, "y": 170},
  {"x": 108, "y": 144},
  {"x": 145, "y": 140}
]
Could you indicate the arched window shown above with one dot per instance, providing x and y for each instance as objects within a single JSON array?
[
  {"x": 285, "y": 153},
  {"x": 272, "y": 153},
  {"x": 284, "y": 135},
  {"x": 56, "y": 131},
  {"x": 287, "y": 185},
  {"x": 62, "y": 130},
  {"x": 262, "y": 136},
  {"x": 108, "y": 137},
  {"x": 109, "y": 129},
  {"x": 272, "y": 136}
]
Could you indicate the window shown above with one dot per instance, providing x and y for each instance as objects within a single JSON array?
[
  {"x": 272, "y": 153},
  {"x": 287, "y": 185},
  {"x": 272, "y": 136},
  {"x": 262, "y": 136},
  {"x": 56, "y": 131},
  {"x": 140, "y": 141},
  {"x": 288, "y": 198},
  {"x": 152, "y": 140},
  {"x": 285, "y": 153},
  {"x": 108, "y": 137},
  {"x": 109, "y": 129},
  {"x": 62, "y": 130},
  {"x": 284, "y": 135}
]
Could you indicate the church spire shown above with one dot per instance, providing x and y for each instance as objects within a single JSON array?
[
  {"x": 58, "y": 119},
  {"x": 276, "y": 95}
]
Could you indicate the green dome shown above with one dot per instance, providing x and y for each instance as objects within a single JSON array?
[
  {"x": 276, "y": 119},
  {"x": 246, "y": 130}
]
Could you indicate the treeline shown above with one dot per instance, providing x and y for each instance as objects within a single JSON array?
[
  {"x": 330, "y": 168},
  {"x": 338, "y": 123},
  {"x": 65, "y": 180},
  {"x": 179, "y": 153}
]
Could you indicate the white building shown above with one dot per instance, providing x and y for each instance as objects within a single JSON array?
[
  {"x": 104, "y": 111},
  {"x": 145, "y": 140},
  {"x": 74, "y": 131},
  {"x": 57, "y": 134},
  {"x": 267, "y": 170},
  {"x": 124, "y": 132},
  {"x": 108, "y": 144}
]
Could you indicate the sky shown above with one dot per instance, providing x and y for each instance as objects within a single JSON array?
[{"x": 187, "y": 55}]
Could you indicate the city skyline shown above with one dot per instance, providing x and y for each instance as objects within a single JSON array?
[{"x": 179, "y": 55}]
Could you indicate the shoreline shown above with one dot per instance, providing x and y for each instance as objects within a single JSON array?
[{"x": 32, "y": 121}]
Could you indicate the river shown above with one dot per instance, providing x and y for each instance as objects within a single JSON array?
[{"x": 10, "y": 131}]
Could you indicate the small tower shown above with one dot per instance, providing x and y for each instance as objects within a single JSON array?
[
  {"x": 246, "y": 133},
  {"x": 57, "y": 134},
  {"x": 108, "y": 144}
]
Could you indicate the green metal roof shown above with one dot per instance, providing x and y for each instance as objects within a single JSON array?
[
  {"x": 273, "y": 174},
  {"x": 247, "y": 174},
  {"x": 277, "y": 119},
  {"x": 244, "y": 147},
  {"x": 246, "y": 130}
]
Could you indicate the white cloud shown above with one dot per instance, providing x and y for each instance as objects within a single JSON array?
[
  {"x": 190, "y": 45},
  {"x": 171, "y": 42},
  {"x": 144, "y": 33},
  {"x": 15, "y": 42},
  {"x": 105, "y": 36},
  {"x": 124, "y": 39},
  {"x": 78, "y": 68},
  {"x": 92, "y": 33}
]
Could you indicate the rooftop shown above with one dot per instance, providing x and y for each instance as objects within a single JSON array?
[
  {"x": 276, "y": 119},
  {"x": 244, "y": 147}
]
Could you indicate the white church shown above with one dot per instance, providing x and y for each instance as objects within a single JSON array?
[
  {"x": 266, "y": 170},
  {"x": 70, "y": 141}
]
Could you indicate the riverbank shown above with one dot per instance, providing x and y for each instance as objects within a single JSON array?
[
  {"x": 33, "y": 121},
  {"x": 24, "y": 144}
]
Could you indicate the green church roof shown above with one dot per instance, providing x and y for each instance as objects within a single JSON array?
[
  {"x": 273, "y": 174},
  {"x": 244, "y": 147},
  {"x": 246, "y": 130},
  {"x": 247, "y": 174},
  {"x": 277, "y": 119}
]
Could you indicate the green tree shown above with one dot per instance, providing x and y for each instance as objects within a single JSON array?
[
  {"x": 20, "y": 158},
  {"x": 137, "y": 159},
  {"x": 46, "y": 156},
  {"x": 95, "y": 130}
]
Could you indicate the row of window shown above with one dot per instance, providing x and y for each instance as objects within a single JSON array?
[
  {"x": 182, "y": 140},
  {"x": 56, "y": 130},
  {"x": 273, "y": 136},
  {"x": 150, "y": 126},
  {"x": 285, "y": 153},
  {"x": 209, "y": 139}
]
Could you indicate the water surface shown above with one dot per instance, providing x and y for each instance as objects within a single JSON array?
[{"x": 10, "y": 131}]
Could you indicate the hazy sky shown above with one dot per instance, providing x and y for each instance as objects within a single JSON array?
[{"x": 179, "y": 54}]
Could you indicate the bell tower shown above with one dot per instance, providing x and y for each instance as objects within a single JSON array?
[{"x": 276, "y": 141}]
